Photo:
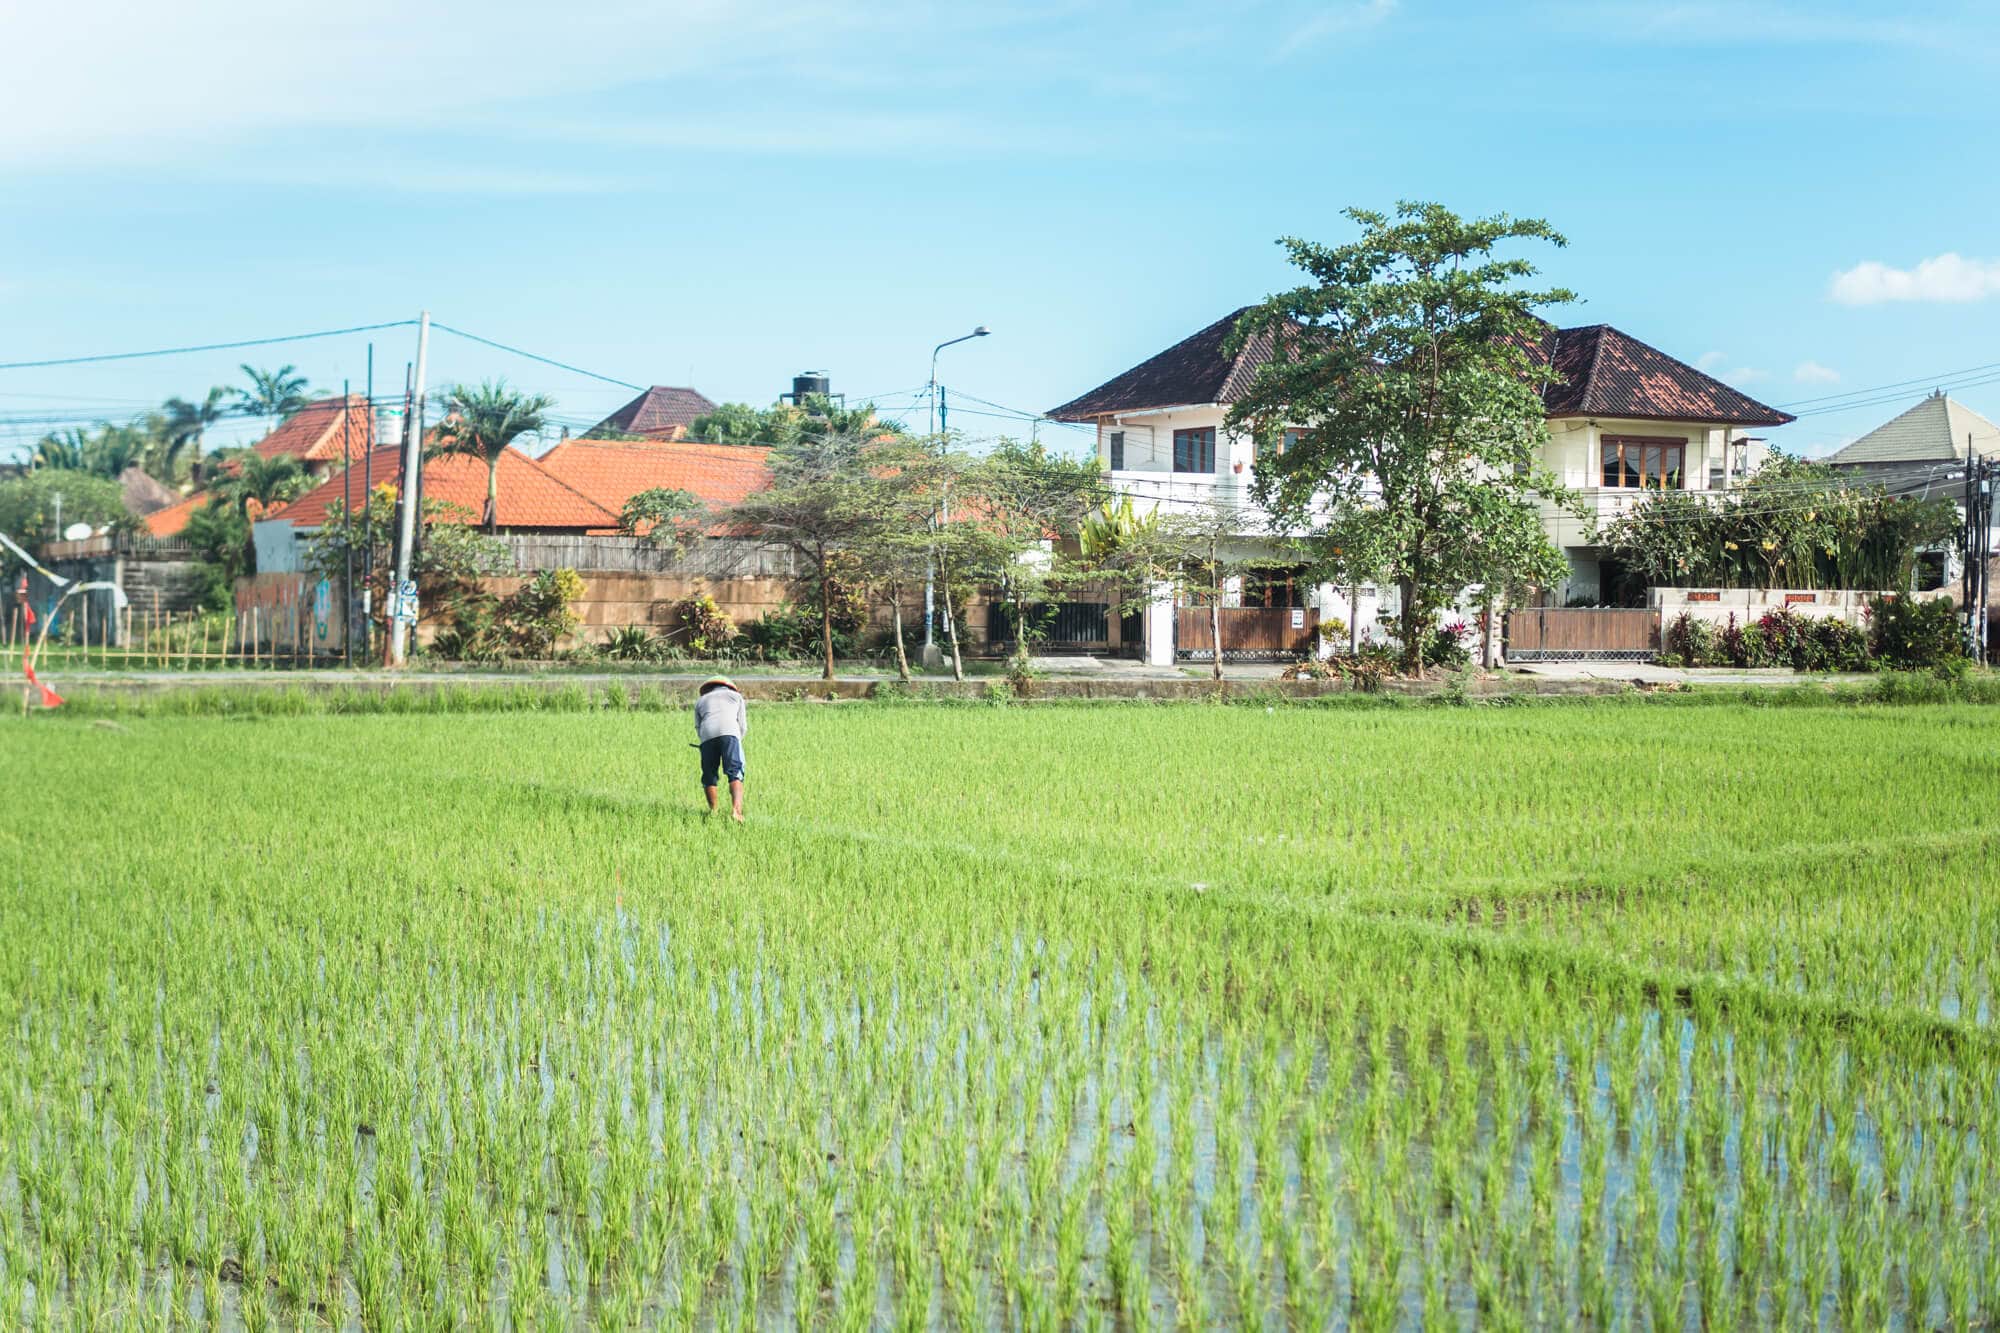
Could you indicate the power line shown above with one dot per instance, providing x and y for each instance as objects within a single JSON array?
[
  {"x": 202, "y": 347},
  {"x": 547, "y": 361},
  {"x": 1896, "y": 384}
]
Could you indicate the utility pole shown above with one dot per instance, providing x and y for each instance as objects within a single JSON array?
[
  {"x": 413, "y": 450},
  {"x": 367, "y": 498},
  {"x": 346, "y": 526},
  {"x": 931, "y": 656}
]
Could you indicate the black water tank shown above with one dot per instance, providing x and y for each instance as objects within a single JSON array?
[{"x": 809, "y": 384}]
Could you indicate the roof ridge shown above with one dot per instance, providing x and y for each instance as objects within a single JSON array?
[
  {"x": 550, "y": 474},
  {"x": 1596, "y": 357}
]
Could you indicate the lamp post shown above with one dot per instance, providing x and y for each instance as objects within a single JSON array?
[{"x": 931, "y": 656}]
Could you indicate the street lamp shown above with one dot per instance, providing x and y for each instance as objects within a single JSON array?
[
  {"x": 937, "y": 405},
  {"x": 937, "y": 427}
]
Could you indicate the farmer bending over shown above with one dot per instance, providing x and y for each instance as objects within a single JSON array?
[{"x": 721, "y": 720}]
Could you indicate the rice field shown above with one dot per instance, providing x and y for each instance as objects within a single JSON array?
[{"x": 1128, "y": 1017}]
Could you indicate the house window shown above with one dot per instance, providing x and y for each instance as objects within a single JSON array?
[
  {"x": 1645, "y": 462},
  {"x": 1290, "y": 438},
  {"x": 1117, "y": 451},
  {"x": 1194, "y": 450},
  {"x": 1273, "y": 589}
]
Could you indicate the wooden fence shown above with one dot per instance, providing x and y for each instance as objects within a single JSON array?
[
  {"x": 1542, "y": 634},
  {"x": 1247, "y": 631},
  {"x": 273, "y": 627}
]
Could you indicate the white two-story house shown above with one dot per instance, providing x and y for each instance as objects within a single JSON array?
[{"x": 1623, "y": 418}]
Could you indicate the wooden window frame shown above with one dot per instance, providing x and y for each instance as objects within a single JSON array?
[
  {"x": 1195, "y": 438},
  {"x": 1628, "y": 444}
]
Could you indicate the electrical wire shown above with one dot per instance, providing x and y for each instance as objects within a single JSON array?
[
  {"x": 532, "y": 356},
  {"x": 203, "y": 347}
]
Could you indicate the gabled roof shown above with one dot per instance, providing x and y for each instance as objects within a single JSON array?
[
  {"x": 613, "y": 471},
  {"x": 1193, "y": 370},
  {"x": 530, "y": 496},
  {"x": 1605, "y": 373},
  {"x": 1935, "y": 430},
  {"x": 663, "y": 411},
  {"x": 1608, "y": 373},
  {"x": 317, "y": 432},
  {"x": 169, "y": 522}
]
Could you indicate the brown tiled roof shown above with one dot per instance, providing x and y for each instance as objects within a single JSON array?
[
  {"x": 316, "y": 432},
  {"x": 530, "y": 496},
  {"x": 1605, "y": 373},
  {"x": 1193, "y": 370},
  {"x": 1611, "y": 374},
  {"x": 663, "y": 412},
  {"x": 613, "y": 471}
]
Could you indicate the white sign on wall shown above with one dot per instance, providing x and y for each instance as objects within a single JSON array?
[{"x": 1298, "y": 617}]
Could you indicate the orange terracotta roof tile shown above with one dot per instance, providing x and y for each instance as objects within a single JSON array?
[
  {"x": 613, "y": 471},
  {"x": 530, "y": 495},
  {"x": 318, "y": 431},
  {"x": 171, "y": 521}
]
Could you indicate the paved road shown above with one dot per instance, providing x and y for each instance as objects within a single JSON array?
[{"x": 1060, "y": 668}]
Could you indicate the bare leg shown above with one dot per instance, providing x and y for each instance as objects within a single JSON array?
[
  {"x": 710, "y": 793},
  {"x": 735, "y": 798}
]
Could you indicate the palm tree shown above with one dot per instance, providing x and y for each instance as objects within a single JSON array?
[
  {"x": 483, "y": 422},
  {"x": 63, "y": 451},
  {"x": 186, "y": 423},
  {"x": 272, "y": 393},
  {"x": 267, "y": 481}
]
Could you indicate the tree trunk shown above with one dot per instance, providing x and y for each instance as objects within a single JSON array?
[
  {"x": 825, "y": 617},
  {"x": 1406, "y": 619},
  {"x": 493, "y": 494},
  {"x": 1354, "y": 621},
  {"x": 896, "y": 616},
  {"x": 1489, "y": 638},
  {"x": 1215, "y": 607},
  {"x": 950, "y": 621}
]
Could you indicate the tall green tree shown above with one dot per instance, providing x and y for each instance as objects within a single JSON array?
[
  {"x": 1409, "y": 363},
  {"x": 184, "y": 424},
  {"x": 483, "y": 421},
  {"x": 270, "y": 393}
]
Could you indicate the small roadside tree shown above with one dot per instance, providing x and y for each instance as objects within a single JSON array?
[
  {"x": 1197, "y": 552},
  {"x": 1025, "y": 501},
  {"x": 666, "y": 516},
  {"x": 819, "y": 505},
  {"x": 1409, "y": 370}
]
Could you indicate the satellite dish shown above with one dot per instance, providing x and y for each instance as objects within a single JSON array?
[{"x": 77, "y": 532}]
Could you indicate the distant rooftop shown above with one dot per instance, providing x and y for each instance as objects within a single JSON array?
[{"x": 1935, "y": 430}]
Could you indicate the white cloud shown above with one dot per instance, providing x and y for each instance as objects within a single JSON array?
[
  {"x": 1333, "y": 20},
  {"x": 1746, "y": 375},
  {"x": 1812, "y": 372},
  {"x": 1946, "y": 277},
  {"x": 1710, "y": 360},
  {"x": 145, "y": 83}
]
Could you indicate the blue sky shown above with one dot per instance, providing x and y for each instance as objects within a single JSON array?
[{"x": 1797, "y": 196}]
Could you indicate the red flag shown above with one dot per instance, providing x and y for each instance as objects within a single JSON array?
[{"x": 50, "y": 699}]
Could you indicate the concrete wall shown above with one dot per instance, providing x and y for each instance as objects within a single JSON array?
[{"x": 1748, "y": 605}]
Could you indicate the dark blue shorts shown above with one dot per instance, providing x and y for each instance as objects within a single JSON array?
[{"x": 724, "y": 753}]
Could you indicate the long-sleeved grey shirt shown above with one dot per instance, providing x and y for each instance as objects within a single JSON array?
[{"x": 721, "y": 712}]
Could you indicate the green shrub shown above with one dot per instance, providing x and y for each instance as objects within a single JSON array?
[{"x": 1915, "y": 636}]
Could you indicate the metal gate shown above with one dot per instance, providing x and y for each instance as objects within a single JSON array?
[
  {"x": 1058, "y": 626},
  {"x": 1600, "y": 633}
]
